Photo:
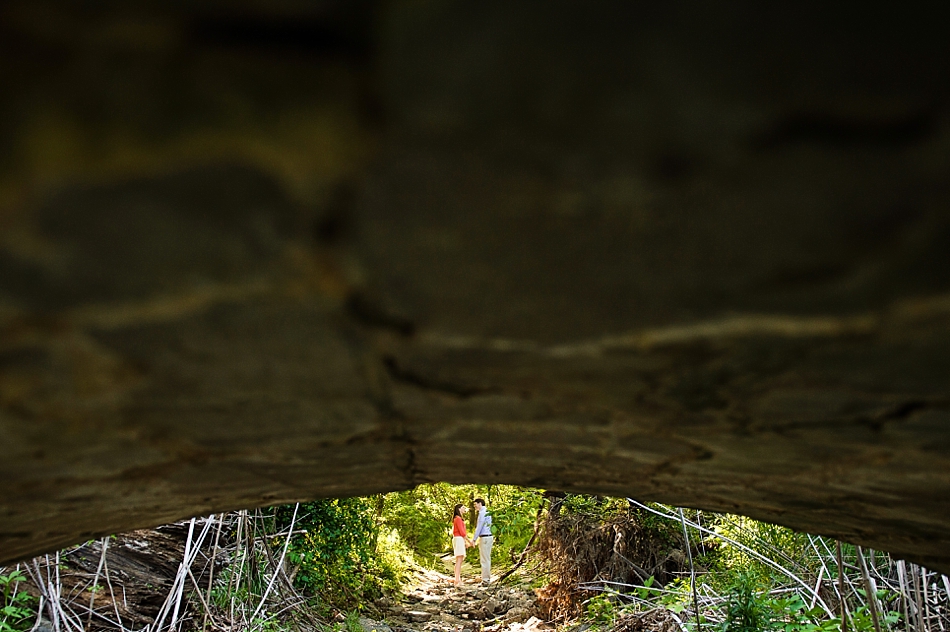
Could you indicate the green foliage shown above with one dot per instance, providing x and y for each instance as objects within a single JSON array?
[
  {"x": 786, "y": 547},
  {"x": 345, "y": 552},
  {"x": 745, "y": 610},
  {"x": 219, "y": 592},
  {"x": 601, "y": 609},
  {"x": 227, "y": 584},
  {"x": 792, "y": 615},
  {"x": 351, "y": 623},
  {"x": 395, "y": 557},
  {"x": 762, "y": 571},
  {"x": 513, "y": 516},
  {"x": 15, "y": 611},
  {"x": 644, "y": 592},
  {"x": 335, "y": 557},
  {"x": 748, "y": 610},
  {"x": 595, "y": 506},
  {"x": 678, "y": 595},
  {"x": 422, "y": 518},
  {"x": 862, "y": 621},
  {"x": 268, "y": 623}
]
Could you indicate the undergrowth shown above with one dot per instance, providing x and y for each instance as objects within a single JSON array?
[{"x": 16, "y": 611}]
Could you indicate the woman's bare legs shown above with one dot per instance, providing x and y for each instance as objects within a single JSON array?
[{"x": 458, "y": 569}]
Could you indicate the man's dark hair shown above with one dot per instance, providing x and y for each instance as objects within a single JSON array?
[{"x": 480, "y": 502}]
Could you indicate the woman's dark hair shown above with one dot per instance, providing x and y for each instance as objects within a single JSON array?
[{"x": 458, "y": 511}]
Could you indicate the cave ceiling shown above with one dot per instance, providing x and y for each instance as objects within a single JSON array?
[{"x": 256, "y": 252}]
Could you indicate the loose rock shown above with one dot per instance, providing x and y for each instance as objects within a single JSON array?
[{"x": 418, "y": 616}]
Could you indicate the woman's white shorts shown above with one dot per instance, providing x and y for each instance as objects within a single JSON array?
[{"x": 458, "y": 543}]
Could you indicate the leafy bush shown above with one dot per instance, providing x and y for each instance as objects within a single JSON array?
[
  {"x": 750, "y": 611},
  {"x": 395, "y": 557},
  {"x": 513, "y": 516},
  {"x": 422, "y": 517},
  {"x": 335, "y": 557},
  {"x": 745, "y": 610},
  {"x": 601, "y": 609},
  {"x": 15, "y": 611}
]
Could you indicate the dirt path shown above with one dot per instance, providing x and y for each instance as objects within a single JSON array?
[{"x": 433, "y": 604}]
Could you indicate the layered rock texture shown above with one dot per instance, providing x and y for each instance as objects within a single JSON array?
[{"x": 254, "y": 252}]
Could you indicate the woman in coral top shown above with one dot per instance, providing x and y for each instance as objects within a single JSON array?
[{"x": 459, "y": 542}]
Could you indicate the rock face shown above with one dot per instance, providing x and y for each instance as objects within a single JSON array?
[{"x": 257, "y": 252}]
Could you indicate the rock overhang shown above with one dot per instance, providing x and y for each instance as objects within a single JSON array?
[{"x": 253, "y": 254}]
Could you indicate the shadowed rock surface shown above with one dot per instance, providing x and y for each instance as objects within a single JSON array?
[{"x": 260, "y": 252}]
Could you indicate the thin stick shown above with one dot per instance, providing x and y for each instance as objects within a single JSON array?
[
  {"x": 73, "y": 618},
  {"x": 823, "y": 566},
  {"x": 924, "y": 582},
  {"x": 280, "y": 564},
  {"x": 844, "y": 609},
  {"x": 239, "y": 560},
  {"x": 253, "y": 571},
  {"x": 846, "y": 578},
  {"x": 185, "y": 565},
  {"x": 39, "y": 611},
  {"x": 917, "y": 598},
  {"x": 103, "y": 617},
  {"x": 284, "y": 577},
  {"x": 115, "y": 604},
  {"x": 200, "y": 596},
  {"x": 51, "y": 603},
  {"x": 178, "y": 585},
  {"x": 692, "y": 570},
  {"x": 821, "y": 571},
  {"x": 249, "y": 560},
  {"x": 905, "y": 593},
  {"x": 95, "y": 580},
  {"x": 56, "y": 593},
  {"x": 214, "y": 555},
  {"x": 59, "y": 594},
  {"x": 868, "y": 589}
]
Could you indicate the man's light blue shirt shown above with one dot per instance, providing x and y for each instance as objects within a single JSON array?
[{"x": 483, "y": 526}]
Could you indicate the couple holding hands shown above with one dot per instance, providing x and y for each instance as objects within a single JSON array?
[{"x": 461, "y": 541}]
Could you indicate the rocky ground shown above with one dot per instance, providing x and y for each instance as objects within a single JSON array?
[{"x": 433, "y": 604}]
